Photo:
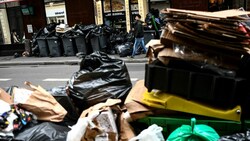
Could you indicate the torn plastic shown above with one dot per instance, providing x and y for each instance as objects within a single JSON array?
[{"x": 99, "y": 78}]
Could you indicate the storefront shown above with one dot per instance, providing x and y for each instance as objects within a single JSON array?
[
  {"x": 119, "y": 13},
  {"x": 56, "y": 12}
]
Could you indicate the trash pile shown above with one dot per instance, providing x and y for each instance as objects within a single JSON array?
[
  {"x": 99, "y": 103},
  {"x": 87, "y": 107},
  {"x": 81, "y": 40},
  {"x": 193, "y": 90}
]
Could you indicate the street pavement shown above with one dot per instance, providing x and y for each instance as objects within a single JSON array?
[
  {"x": 12, "y": 61},
  {"x": 49, "y": 76}
]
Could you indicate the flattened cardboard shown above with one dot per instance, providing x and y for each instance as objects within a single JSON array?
[
  {"x": 126, "y": 130},
  {"x": 5, "y": 96},
  {"x": 135, "y": 106},
  {"x": 132, "y": 102}
]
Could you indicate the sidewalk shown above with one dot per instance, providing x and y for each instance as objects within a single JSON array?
[{"x": 73, "y": 60}]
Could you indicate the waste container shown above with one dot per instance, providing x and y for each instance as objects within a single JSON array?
[
  {"x": 103, "y": 41},
  {"x": 95, "y": 43},
  {"x": 43, "y": 47},
  {"x": 99, "y": 43},
  {"x": 69, "y": 46},
  {"x": 80, "y": 43},
  {"x": 148, "y": 35},
  {"x": 54, "y": 45}
]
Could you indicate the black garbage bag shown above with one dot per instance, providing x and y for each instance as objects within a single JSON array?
[
  {"x": 236, "y": 137},
  {"x": 46, "y": 131},
  {"x": 87, "y": 28},
  {"x": 130, "y": 37},
  {"x": 107, "y": 29},
  {"x": 100, "y": 78},
  {"x": 98, "y": 39},
  {"x": 118, "y": 38},
  {"x": 60, "y": 94},
  {"x": 51, "y": 27},
  {"x": 125, "y": 49}
]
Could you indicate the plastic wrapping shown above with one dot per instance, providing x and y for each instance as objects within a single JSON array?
[
  {"x": 205, "y": 62},
  {"x": 100, "y": 77},
  {"x": 216, "y": 64}
]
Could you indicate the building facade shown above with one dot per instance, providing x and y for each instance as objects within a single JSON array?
[{"x": 27, "y": 16}]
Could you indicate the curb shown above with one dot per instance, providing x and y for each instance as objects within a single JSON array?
[{"x": 68, "y": 62}]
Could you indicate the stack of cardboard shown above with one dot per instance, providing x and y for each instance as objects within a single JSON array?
[
  {"x": 196, "y": 67},
  {"x": 199, "y": 55}
]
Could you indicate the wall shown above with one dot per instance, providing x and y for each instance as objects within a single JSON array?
[
  {"x": 38, "y": 20},
  {"x": 80, "y": 11}
]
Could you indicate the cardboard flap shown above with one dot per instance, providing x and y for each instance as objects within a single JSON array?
[{"x": 5, "y": 97}]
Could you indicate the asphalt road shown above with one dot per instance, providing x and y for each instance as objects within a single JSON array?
[{"x": 49, "y": 76}]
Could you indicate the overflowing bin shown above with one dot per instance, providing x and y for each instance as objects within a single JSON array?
[
  {"x": 69, "y": 45},
  {"x": 80, "y": 43},
  {"x": 55, "y": 46},
  {"x": 148, "y": 35},
  {"x": 43, "y": 47}
]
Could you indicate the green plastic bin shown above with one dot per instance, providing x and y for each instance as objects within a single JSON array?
[{"x": 169, "y": 124}]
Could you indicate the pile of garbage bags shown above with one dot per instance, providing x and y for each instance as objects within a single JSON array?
[
  {"x": 34, "y": 113},
  {"x": 81, "y": 40}
]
